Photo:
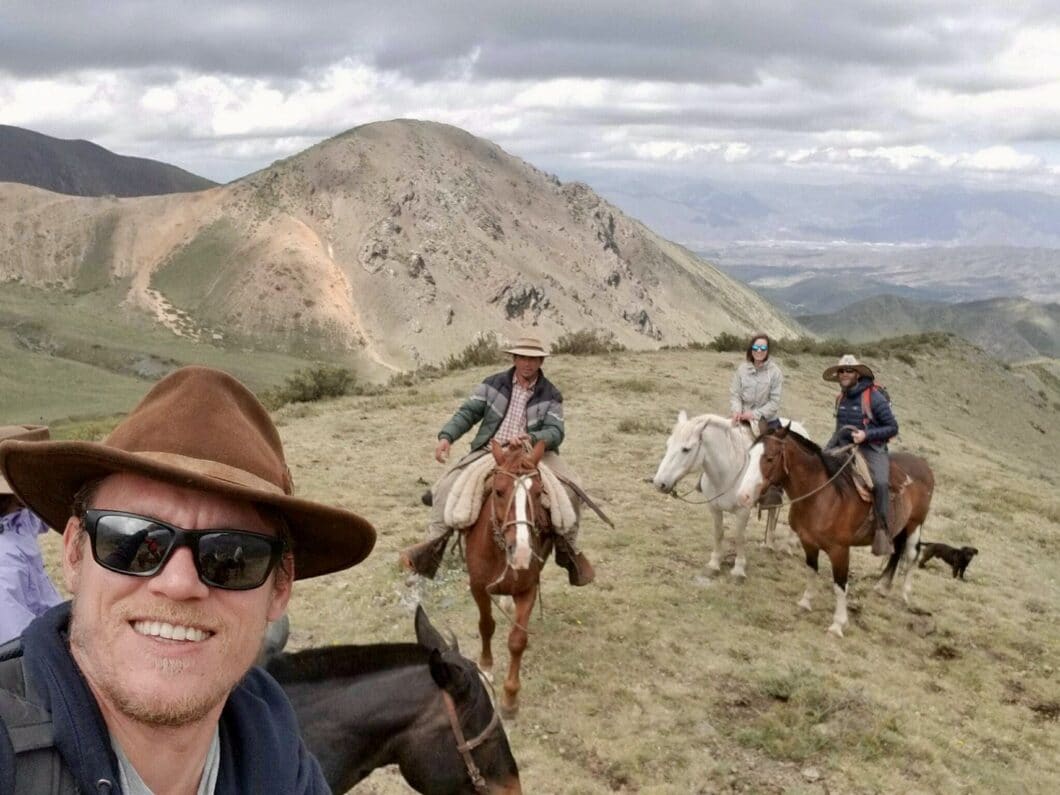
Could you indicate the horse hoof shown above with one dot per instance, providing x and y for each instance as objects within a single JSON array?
[
  {"x": 836, "y": 630},
  {"x": 739, "y": 574},
  {"x": 805, "y": 605},
  {"x": 509, "y": 713}
]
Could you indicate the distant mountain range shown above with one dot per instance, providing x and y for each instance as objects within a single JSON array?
[
  {"x": 1011, "y": 329},
  {"x": 702, "y": 214},
  {"x": 398, "y": 241},
  {"x": 81, "y": 168},
  {"x": 811, "y": 278}
]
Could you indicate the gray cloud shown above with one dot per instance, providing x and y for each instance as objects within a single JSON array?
[
  {"x": 223, "y": 88},
  {"x": 681, "y": 41}
]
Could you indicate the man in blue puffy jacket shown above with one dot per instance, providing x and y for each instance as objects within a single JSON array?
[{"x": 864, "y": 417}]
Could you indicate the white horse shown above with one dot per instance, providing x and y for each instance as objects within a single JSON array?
[{"x": 719, "y": 450}]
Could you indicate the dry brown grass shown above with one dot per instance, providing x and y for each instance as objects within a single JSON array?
[{"x": 659, "y": 680}]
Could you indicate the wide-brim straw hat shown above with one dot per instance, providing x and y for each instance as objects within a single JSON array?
[
  {"x": 197, "y": 428},
  {"x": 848, "y": 360},
  {"x": 528, "y": 346},
  {"x": 27, "y": 433}
]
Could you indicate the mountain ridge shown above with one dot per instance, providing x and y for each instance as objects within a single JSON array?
[
  {"x": 1011, "y": 329},
  {"x": 402, "y": 238},
  {"x": 82, "y": 168}
]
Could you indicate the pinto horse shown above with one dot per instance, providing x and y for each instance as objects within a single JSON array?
[
  {"x": 718, "y": 451},
  {"x": 506, "y": 548},
  {"x": 420, "y": 706},
  {"x": 827, "y": 512}
]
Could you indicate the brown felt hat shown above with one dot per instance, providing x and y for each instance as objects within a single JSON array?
[
  {"x": 847, "y": 361},
  {"x": 528, "y": 346},
  {"x": 197, "y": 428},
  {"x": 27, "y": 433}
]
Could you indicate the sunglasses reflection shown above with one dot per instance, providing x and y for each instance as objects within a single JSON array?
[{"x": 141, "y": 547}]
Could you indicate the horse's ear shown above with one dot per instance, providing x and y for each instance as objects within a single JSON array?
[
  {"x": 784, "y": 430},
  {"x": 440, "y": 672},
  {"x": 682, "y": 416},
  {"x": 497, "y": 450},
  {"x": 426, "y": 635},
  {"x": 539, "y": 450}
]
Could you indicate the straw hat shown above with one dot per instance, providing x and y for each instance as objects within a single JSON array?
[
  {"x": 849, "y": 360},
  {"x": 201, "y": 429},
  {"x": 27, "y": 433},
  {"x": 528, "y": 346}
]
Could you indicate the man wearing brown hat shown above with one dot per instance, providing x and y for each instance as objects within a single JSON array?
[
  {"x": 181, "y": 540},
  {"x": 514, "y": 406},
  {"x": 863, "y": 416},
  {"x": 25, "y": 590}
]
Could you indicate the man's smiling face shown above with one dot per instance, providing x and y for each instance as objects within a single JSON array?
[{"x": 166, "y": 650}]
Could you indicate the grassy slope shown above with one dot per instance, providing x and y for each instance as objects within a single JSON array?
[
  {"x": 658, "y": 680},
  {"x": 93, "y": 366}
]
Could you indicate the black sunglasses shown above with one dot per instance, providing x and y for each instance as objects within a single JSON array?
[
  {"x": 844, "y": 370},
  {"x": 139, "y": 546}
]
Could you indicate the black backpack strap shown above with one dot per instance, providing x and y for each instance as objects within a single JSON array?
[{"x": 29, "y": 760}]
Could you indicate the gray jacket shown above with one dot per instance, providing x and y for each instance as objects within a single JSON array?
[{"x": 756, "y": 390}]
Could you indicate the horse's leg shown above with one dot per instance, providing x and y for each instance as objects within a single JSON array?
[
  {"x": 771, "y": 529},
  {"x": 811, "y": 575},
  {"x": 886, "y": 580},
  {"x": 741, "y": 518},
  {"x": 517, "y": 640},
  {"x": 714, "y": 564},
  {"x": 910, "y": 564},
  {"x": 486, "y": 625},
  {"x": 840, "y": 559}
]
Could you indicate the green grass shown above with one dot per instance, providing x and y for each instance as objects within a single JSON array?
[
  {"x": 196, "y": 271},
  {"x": 86, "y": 359}
]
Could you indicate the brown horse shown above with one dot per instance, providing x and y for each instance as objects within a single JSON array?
[
  {"x": 506, "y": 548},
  {"x": 827, "y": 513}
]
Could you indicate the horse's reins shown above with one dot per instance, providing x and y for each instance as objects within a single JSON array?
[
  {"x": 465, "y": 747},
  {"x": 838, "y": 472}
]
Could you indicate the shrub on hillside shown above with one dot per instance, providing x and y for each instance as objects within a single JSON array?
[
  {"x": 485, "y": 349},
  {"x": 728, "y": 342},
  {"x": 587, "y": 342},
  {"x": 309, "y": 384}
]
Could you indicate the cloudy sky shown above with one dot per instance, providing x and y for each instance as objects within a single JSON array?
[{"x": 822, "y": 90}]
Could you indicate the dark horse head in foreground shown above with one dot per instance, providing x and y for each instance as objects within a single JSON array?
[
  {"x": 827, "y": 513},
  {"x": 421, "y": 706}
]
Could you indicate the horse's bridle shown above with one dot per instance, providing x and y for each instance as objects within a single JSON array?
[
  {"x": 739, "y": 476},
  {"x": 784, "y": 463},
  {"x": 499, "y": 527},
  {"x": 465, "y": 747}
]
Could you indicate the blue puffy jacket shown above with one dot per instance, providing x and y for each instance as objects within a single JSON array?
[{"x": 883, "y": 425}]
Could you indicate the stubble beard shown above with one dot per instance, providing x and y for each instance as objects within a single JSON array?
[{"x": 105, "y": 676}]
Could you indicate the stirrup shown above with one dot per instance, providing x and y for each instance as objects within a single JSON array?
[{"x": 425, "y": 557}]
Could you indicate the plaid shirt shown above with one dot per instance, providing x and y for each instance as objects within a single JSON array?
[{"x": 514, "y": 422}]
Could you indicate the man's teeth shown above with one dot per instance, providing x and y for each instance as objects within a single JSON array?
[{"x": 160, "y": 629}]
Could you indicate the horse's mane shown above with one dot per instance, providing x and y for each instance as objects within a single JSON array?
[
  {"x": 328, "y": 662},
  {"x": 831, "y": 463}
]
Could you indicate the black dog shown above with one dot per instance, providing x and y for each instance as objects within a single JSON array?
[{"x": 957, "y": 558}]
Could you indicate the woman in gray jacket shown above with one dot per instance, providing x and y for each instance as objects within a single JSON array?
[{"x": 756, "y": 386}]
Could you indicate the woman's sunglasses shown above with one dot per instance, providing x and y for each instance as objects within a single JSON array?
[
  {"x": 139, "y": 546},
  {"x": 759, "y": 347}
]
